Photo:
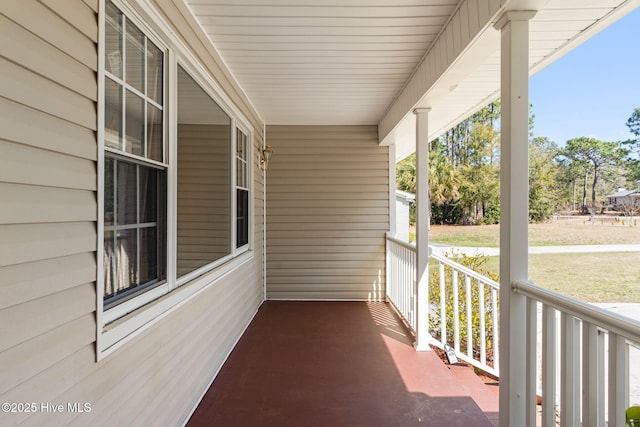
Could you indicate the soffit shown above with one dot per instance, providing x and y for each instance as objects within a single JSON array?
[
  {"x": 474, "y": 80},
  {"x": 328, "y": 62},
  {"x": 351, "y": 61},
  {"x": 556, "y": 29}
]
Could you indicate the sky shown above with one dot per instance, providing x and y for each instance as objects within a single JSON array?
[{"x": 592, "y": 90}]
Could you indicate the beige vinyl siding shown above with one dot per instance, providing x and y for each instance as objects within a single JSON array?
[
  {"x": 48, "y": 240},
  {"x": 48, "y": 190},
  {"x": 136, "y": 385},
  {"x": 327, "y": 213}
]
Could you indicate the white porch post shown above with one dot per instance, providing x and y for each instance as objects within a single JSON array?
[
  {"x": 392, "y": 190},
  {"x": 392, "y": 217},
  {"x": 514, "y": 211},
  {"x": 422, "y": 229}
]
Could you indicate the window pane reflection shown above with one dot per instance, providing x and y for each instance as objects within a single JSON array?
[
  {"x": 135, "y": 57},
  {"x": 126, "y": 193},
  {"x": 112, "y": 114},
  {"x": 154, "y": 133},
  {"x": 203, "y": 178},
  {"x": 127, "y": 249},
  {"x": 148, "y": 195},
  {"x": 241, "y": 173},
  {"x": 242, "y": 220},
  {"x": 154, "y": 72},
  {"x": 109, "y": 205},
  {"x": 148, "y": 254},
  {"x": 135, "y": 243},
  {"x": 113, "y": 40},
  {"x": 134, "y": 127},
  {"x": 120, "y": 261},
  {"x": 109, "y": 263}
]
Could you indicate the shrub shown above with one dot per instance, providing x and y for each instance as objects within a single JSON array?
[{"x": 492, "y": 214}]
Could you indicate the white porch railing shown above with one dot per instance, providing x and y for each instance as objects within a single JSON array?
[
  {"x": 473, "y": 333},
  {"x": 585, "y": 357},
  {"x": 401, "y": 278},
  {"x": 401, "y": 292},
  {"x": 577, "y": 354}
]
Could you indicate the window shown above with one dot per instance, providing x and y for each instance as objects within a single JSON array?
[
  {"x": 204, "y": 176},
  {"x": 175, "y": 188},
  {"x": 134, "y": 168},
  {"x": 134, "y": 242},
  {"x": 242, "y": 190}
]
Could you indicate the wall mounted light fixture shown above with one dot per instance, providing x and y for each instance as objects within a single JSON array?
[{"x": 265, "y": 156}]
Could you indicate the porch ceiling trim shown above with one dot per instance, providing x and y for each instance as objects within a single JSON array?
[
  {"x": 357, "y": 62},
  {"x": 471, "y": 20},
  {"x": 457, "y": 82}
]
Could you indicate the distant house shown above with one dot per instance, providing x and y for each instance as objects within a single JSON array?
[{"x": 624, "y": 198}]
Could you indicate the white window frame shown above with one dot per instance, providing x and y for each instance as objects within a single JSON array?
[
  {"x": 249, "y": 187},
  {"x": 204, "y": 83},
  {"x": 125, "y": 321}
]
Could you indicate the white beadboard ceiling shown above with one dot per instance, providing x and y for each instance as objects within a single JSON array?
[
  {"x": 322, "y": 61},
  {"x": 354, "y": 61}
]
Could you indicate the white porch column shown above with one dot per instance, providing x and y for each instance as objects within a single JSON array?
[
  {"x": 392, "y": 190},
  {"x": 514, "y": 211},
  {"x": 422, "y": 229},
  {"x": 392, "y": 217}
]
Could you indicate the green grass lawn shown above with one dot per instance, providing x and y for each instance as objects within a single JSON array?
[
  {"x": 593, "y": 277},
  {"x": 557, "y": 234},
  {"x": 597, "y": 277}
]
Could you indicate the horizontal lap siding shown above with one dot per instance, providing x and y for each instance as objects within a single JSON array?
[
  {"x": 138, "y": 384},
  {"x": 48, "y": 184},
  {"x": 48, "y": 239},
  {"x": 327, "y": 213}
]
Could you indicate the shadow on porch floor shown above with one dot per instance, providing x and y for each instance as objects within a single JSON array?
[{"x": 339, "y": 364}]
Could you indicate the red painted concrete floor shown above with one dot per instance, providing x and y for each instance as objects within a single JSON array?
[{"x": 340, "y": 364}]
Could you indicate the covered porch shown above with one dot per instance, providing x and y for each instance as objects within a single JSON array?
[
  {"x": 340, "y": 110},
  {"x": 338, "y": 364},
  {"x": 341, "y": 90}
]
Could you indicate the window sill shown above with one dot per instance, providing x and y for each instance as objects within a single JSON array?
[{"x": 119, "y": 332}]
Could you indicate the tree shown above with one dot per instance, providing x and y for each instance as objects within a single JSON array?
[
  {"x": 598, "y": 155},
  {"x": 634, "y": 124},
  {"x": 542, "y": 178},
  {"x": 633, "y": 162},
  {"x": 630, "y": 205},
  {"x": 569, "y": 174},
  {"x": 472, "y": 150},
  {"x": 443, "y": 181},
  {"x": 480, "y": 192},
  {"x": 406, "y": 174}
]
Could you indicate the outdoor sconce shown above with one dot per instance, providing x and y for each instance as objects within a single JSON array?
[{"x": 265, "y": 156}]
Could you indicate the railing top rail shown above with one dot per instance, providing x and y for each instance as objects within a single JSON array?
[
  {"x": 614, "y": 322},
  {"x": 447, "y": 261},
  {"x": 466, "y": 270},
  {"x": 401, "y": 243}
]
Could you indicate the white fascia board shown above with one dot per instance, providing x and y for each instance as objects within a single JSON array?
[
  {"x": 424, "y": 89},
  {"x": 446, "y": 62}
]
